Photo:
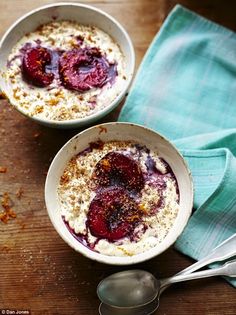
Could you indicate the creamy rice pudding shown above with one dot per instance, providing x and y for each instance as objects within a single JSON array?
[
  {"x": 64, "y": 70},
  {"x": 118, "y": 198}
]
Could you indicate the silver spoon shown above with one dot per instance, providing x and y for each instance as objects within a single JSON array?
[
  {"x": 137, "y": 288},
  {"x": 223, "y": 251}
]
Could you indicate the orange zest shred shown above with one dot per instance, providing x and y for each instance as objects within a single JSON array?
[
  {"x": 127, "y": 253},
  {"x": 106, "y": 164},
  {"x": 133, "y": 217},
  {"x": 143, "y": 209}
]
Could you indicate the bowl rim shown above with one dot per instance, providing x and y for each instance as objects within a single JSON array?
[
  {"x": 99, "y": 113},
  {"x": 118, "y": 260}
]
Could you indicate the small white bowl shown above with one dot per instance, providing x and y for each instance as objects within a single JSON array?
[
  {"x": 82, "y": 14},
  {"x": 120, "y": 132}
]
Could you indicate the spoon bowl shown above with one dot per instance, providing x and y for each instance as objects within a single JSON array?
[{"x": 128, "y": 288}]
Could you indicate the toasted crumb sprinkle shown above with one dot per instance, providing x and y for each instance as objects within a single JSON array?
[
  {"x": 3, "y": 169},
  {"x": 15, "y": 94},
  {"x": 52, "y": 40},
  {"x": 8, "y": 213},
  {"x": 73, "y": 43},
  {"x": 59, "y": 93},
  {"x": 5, "y": 248},
  {"x": 38, "y": 109},
  {"x": 65, "y": 178},
  {"x": 53, "y": 101},
  {"x": 3, "y": 95},
  {"x": 19, "y": 193},
  {"x": 90, "y": 38}
]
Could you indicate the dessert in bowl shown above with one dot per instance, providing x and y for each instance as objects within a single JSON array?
[
  {"x": 66, "y": 65},
  {"x": 119, "y": 193}
]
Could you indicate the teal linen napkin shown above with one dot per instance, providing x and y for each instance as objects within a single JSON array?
[{"x": 185, "y": 89}]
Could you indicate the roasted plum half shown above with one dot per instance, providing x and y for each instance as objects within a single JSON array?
[
  {"x": 117, "y": 169},
  {"x": 113, "y": 214},
  {"x": 34, "y": 65},
  {"x": 84, "y": 69}
]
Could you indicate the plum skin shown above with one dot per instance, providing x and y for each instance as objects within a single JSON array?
[
  {"x": 83, "y": 69},
  {"x": 33, "y": 66},
  {"x": 113, "y": 214},
  {"x": 120, "y": 170}
]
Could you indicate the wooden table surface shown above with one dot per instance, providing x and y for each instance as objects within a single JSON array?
[{"x": 39, "y": 272}]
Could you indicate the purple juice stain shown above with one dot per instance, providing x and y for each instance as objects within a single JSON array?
[
  {"x": 22, "y": 51},
  {"x": 38, "y": 42},
  {"x": 167, "y": 167},
  {"x": 85, "y": 152},
  {"x": 158, "y": 179},
  {"x": 141, "y": 148},
  {"x": 112, "y": 73},
  {"x": 136, "y": 234},
  {"x": 92, "y": 145},
  {"x": 26, "y": 46},
  {"x": 151, "y": 166},
  {"x": 82, "y": 238},
  {"x": 9, "y": 62},
  {"x": 53, "y": 66},
  {"x": 79, "y": 40}
]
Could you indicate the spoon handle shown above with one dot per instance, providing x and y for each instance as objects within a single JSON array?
[
  {"x": 228, "y": 269},
  {"x": 222, "y": 252}
]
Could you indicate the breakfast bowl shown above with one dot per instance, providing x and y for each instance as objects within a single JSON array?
[
  {"x": 66, "y": 65},
  {"x": 119, "y": 193}
]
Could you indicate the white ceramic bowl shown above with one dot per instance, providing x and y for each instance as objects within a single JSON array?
[
  {"x": 121, "y": 132},
  {"x": 83, "y": 14}
]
